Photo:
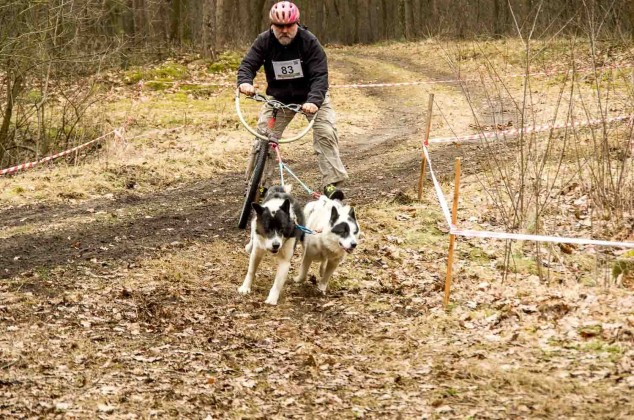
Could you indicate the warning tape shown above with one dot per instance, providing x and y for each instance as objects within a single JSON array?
[
  {"x": 395, "y": 84},
  {"x": 118, "y": 133},
  {"x": 142, "y": 83},
  {"x": 454, "y": 230},
  {"x": 415, "y": 83},
  {"x": 537, "y": 238},
  {"x": 526, "y": 130},
  {"x": 473, "y": 79},
  {"x": 439, "y": 193}
]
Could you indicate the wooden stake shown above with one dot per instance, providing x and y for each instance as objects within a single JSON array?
[
  {"x": 452, "y": 237},
  {"x": 421, "y": 179}
]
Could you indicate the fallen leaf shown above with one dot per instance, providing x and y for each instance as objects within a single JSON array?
[
  {"x": 249, "y": 383},
  {"x": 566, "y": 248},
  {"x": 105, "y": 408}
]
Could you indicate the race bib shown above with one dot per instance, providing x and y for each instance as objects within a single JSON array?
[{"x": 291, "y": 69}]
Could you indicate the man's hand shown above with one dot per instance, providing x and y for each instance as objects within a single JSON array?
[
  {"x": 309, "y": 108},
  {"x": 247, "y": 89}
]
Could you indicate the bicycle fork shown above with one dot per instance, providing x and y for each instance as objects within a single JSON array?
[
  {"x": 263, "y": 146},
  {"x": 268, "y": 167}
]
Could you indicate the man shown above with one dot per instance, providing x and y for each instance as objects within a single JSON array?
[{"x": 296, "y": 71}]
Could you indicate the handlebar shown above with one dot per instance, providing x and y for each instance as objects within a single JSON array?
[{"x": 276, "y": 105}]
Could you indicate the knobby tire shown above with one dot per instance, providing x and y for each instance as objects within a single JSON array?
[{"x": 254, "y": 184}]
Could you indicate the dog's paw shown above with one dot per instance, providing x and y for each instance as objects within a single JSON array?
[
  {"x": 322, "y": 287},
  {"x": 298, "y": 279},
  {"x": 274, "y": 295},
  {"x": 244, "y": 290},
  {"x": 271, "y": 301}
]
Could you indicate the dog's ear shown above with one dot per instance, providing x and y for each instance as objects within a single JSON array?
[
  {"x": 258, "y": 208},
  {"x": 334, "y": 215},
  {"x": 352, "y": 215},
  {"x": 286, "y": 206}
]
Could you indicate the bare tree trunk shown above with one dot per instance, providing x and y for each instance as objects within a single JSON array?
[
  {"x": 417, "y": 18},
  {"x": 14, "y": 87},
  {"x": 175, "y": 22},
  {"x": 205, "y": 30},
  {"x": 211, "y": 27},
  {"x": 128, "y": 19},
  {"x": 160, "y": 28},
  {"x": 408, "y": 19},
  {"x": 138, "y": 16},
  {"x": 402, "y": 25},
  {"x": 630, "y": 13},
  {"x": 233, "y": 29},
  {"x": 497, "y": 27},
  {"x": 431, "y": 17},
  {"x": 258, "y": 13},
  {"x": 220, "y": 24},
  {"x": 384, "y": 32},
  {"x": 355, "y": 39},
  {"x": 187, "y": 14}
]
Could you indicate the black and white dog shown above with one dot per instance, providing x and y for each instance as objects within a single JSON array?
[
  {"x": 274, "y": 230},
  {"x": 336, "y": 234}
]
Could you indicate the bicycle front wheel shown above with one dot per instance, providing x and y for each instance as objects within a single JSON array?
[{"x": 253, "y": 185}]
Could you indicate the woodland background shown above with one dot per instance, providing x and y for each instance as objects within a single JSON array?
[
  {"x": 63, "y": 40},
  {"x": 215, "y": 24},
  {"x": 212, "y": 25}
]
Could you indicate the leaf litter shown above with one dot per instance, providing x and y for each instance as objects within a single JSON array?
[{"x": 162, "y": 332}]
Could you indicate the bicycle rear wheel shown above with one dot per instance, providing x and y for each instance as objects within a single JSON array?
[{"x": 253, "y": 185}]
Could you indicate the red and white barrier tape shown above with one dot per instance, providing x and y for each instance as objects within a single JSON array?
[
  {"x": 472, "y": 79},
  {"x": 454, "y": 230},
  {"x": 395, "y": 84},
  {"x": 420, "y": 82},
  {"x": 118, "y": 133},
  {"x": 141, "y": 84},
  {"x": 537, "y": 238},
  {"x": 526, "y": 130},
  {"x": 439, "y": 194}
]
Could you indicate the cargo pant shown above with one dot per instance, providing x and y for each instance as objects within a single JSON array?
[{"x": 325, "y": 139}]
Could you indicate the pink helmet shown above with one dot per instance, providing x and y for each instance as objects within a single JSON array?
[{"x": 284, "y": 12}]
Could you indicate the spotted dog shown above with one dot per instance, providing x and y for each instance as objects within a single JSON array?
[
  {"x": 273, "y": 230},
  {"x": 336, "y": 233}
]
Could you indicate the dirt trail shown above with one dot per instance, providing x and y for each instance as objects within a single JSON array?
[{"x": 200, "y": 212}]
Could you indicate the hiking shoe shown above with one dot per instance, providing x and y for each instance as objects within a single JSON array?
[
  {"x": 261, "y": 193},
  {"x": 332, "y": 192}
]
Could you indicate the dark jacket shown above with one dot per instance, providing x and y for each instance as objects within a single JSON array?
[{"x": 305, "y": 47}]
